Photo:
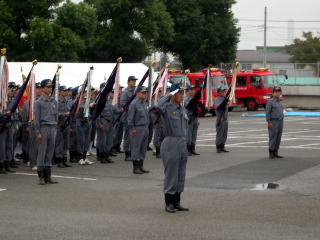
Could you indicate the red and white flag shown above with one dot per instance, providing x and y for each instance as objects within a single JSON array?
[{"x": 4, "y": 80}]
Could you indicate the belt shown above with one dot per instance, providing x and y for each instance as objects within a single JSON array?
[{"x": 182, "y": 138}]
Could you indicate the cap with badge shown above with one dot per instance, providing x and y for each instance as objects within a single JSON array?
[
  {"x": 176, "y": 86},
  {"x": 46, "y": 83},
  {"x": 132, "y": 78},
  {"x": 142, "y": 89},
  {"x": 74, "y": 91},
  {"x": 277, "y": 89},
  {"x": 12, "y": 85},
  {"x": 62, "y": 88}
]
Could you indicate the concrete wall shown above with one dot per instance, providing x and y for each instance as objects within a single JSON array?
[{"x": 302, "y": 97}]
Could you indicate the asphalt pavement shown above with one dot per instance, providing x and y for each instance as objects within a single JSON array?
[{"x": 227, "y": 193}]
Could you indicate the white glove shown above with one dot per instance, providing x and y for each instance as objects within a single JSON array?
[{"x": 175, "y": 91}]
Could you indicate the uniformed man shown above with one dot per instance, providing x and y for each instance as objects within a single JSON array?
[
  {"x": 118, "y": 131},
  {"x": 61, "y": 146},
  {"x": 221, "y": 109},
  {"x": 193, "y": 122},
  {"x": 105, "y": 131},
  {"x": 125, "y": 96},
  {"x": 274, "y": 115},
  {"x": 74, "y": 156},
  {"x": 174, "y": 147},
  {"x": 138, "y": 123},
  {"x": 46, "y": 116}
]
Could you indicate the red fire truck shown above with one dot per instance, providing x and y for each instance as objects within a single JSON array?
[
  {"x": 254, "y": 88},
  {"x": 217, "y": 78}
]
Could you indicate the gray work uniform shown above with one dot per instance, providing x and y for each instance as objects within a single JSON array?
[
  {"x": 83, "y": 131},
  {"x": 138, "y": 119},
  {"x": 29, "y": 136},
  {"x": 46, "y": 116},
  {"x": 62, "y": 139},
  {"x": 105, "y": 134},
  {"x": 193, "y": 124},
  {"x": 221, "y": 121},
  {"x": 158, "y": 130},
  {"x": 125, "y": 96},
  {"x": 6, "y": 141},
  {"x": 16, "y": 126},
  {"x": 274, "y": 115},
  {"x": 72, "y": 130},
  {"x": 173, "y": 148}
]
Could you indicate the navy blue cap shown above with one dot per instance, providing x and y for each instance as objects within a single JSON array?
[
  {"x": 12, "y": 85},
  {"x": 141, "y": 89},
  {"x": 132, "y": 78},
  {"x": 176, "y": 86},
  {"x": 46, "y": 83},
  {"x": 62, "y": 88},
  {"x": 277, "y": 89},
  {"x": 74, "y": 91}
]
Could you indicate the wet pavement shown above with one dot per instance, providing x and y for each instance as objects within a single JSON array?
[{"x": 236, "y": 195}]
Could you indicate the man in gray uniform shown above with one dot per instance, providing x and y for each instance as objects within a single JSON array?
[
  {"x": 46, "y": 116},
  {"x": 74, "y": 156},
  {"x": 125, "y": 96},
  {"x": 274, "y": 115},
  {"x": 193, "y": 122},
  {"x": 173, "y": 148},
  {"x": 138, "y": 123},
  {"x": 61, "y": 146},
  {"x": 105, "y": 131},
  {"x": 221, "y": 109}
]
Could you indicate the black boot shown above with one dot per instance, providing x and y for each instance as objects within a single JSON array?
[
  {"x": 193, "y": 150},
  {"x": 7, "y": 167},
  {"x": 41, "y": 176},
  {"x": 271, "y": 154},
  {"x": 47, "y": 176},
  {"x": 141, "y": 167},
  {"x": 177, "y": 199},
  {"x": 128, "y": 156},
  {"x": 169, "y": 199},
  {"x": 64, "y": 162},
  {"x": 2, "y": 169},
  {"x": 218, "y": 146},
  {"x": 108, "y": 160},
  {"x": 277, "y": 155},
  {"x": 113, "y": 153},
  {"x": 149, "y": 148},
  {"x": 59, "y": 162},
  {"x": 136, "y": 167},
  {"x": 223, "y": 149},
  {"x": 102, "y": 158},
  {"x": 158, "y": 155}
]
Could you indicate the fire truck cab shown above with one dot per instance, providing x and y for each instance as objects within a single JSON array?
[{"x": 254, "y": 89}]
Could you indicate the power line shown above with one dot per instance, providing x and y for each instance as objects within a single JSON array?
[{"x": 273, "y": 20}]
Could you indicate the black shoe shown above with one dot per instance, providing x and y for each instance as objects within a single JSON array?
[
  {"x": 47, "y": 176},
  {"x": 271, "y": 154},
  {"x": 218, "y": 148},
  {"x": 13, "y": 164},
  {"x": 108, "y": 160},
  {"x": 59, "y": 162},
  {"x": 149, "y": 148},
  {"x": 177, "y": 199},
  {"x": 7, "y": 167},
  {"x": 2, "y": 169},
  {"x": 41, "y": 176},
  {"x": 158, "y": 155},
  {"x": 64, "y": 162},
  {"x": 128, "y": 156},
  {"x": 102, "y": 158},
  {"x": 193, "y": 150},
  {"x": 113, "y": 153},
  {"x": 141, "y": 167},
  {"x": 223, "y": 149},
  {"x": 189, "y": 150},
  {"x": 169, "y": 199},
  {"x": 136, "y": 167},
  {"x": 118, "y": 149},
  {"x": 277, "y": 155}
]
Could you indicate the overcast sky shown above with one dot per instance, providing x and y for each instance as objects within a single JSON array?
[
  {"x": 297, "y": 10},
  {"x": 251, "y": 13}
]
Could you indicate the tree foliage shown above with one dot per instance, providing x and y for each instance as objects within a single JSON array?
[{"x": 306, "y": 50}]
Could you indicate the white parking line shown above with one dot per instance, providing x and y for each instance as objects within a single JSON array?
[
  {"x": 2, "y": 189},
  {"x": 56, "y": 176}
]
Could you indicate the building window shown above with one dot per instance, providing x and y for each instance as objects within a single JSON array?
[{"x": 241, "y": 81}]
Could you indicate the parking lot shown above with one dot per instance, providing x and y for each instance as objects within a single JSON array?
[{"x": 225, "y": 192}]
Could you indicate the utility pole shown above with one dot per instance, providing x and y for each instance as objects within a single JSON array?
[{"x": 265, "y": 38}]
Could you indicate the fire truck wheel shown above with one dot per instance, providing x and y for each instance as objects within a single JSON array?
[
  {"x": 201, "y": 110},
  {"x": 252, "y": 105}
]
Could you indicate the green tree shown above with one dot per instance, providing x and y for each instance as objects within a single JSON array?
[
  {"x": 306, "y": 50},
  {"x": 129, "y": 28},
  {"x": 7, "y": 35},
  {"x": 205, "y": 32},
  {"x": 52, "y": 42}
]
